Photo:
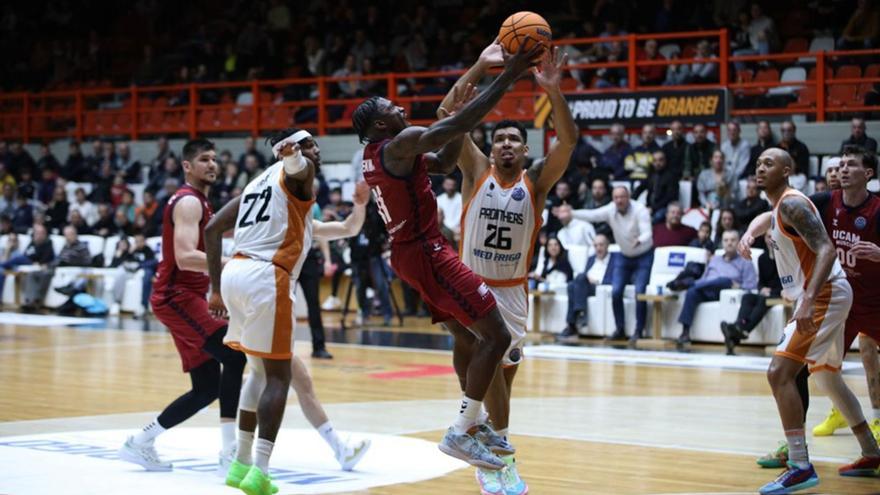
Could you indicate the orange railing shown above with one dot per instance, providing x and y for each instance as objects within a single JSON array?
[{"x": 256, "y": 106}]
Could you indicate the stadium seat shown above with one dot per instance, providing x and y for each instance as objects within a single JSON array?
[
  {"x": 790, "y": 74},
  {"x": 872, "y": 70},
  {"x": 796, "y": 45},
  {"x": 819, "y": 44},
  {"x": 848, "y": 72},
  {"x": 669, "y": 50},
  {"x": 843, "y": 95},
  {"x": 806, "y": 98},
  {"x": 763, "y": 75}
]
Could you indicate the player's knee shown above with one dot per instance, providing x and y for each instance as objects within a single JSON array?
[
  {"x": 777, "y": 377},
  {"x": 205, "y": 396},
  {"x": 500, "y": 340},
  {"x": 235, "y": 361}
]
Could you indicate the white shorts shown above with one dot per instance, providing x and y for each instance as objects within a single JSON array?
[
  {"x": 825, "y": 349},
  {"x": 513, "y": 304},
  {"x": 259, "y": 298}
]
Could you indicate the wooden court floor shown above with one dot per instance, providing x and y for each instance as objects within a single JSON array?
[{"x": 580, "y": 427}]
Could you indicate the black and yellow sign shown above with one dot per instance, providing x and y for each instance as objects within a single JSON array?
[{"x": 655, "y": 107}]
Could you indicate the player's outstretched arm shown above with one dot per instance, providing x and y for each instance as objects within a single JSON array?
[
  {"x": 187, "y": 215},
  {"x": 548, "y": 74},
  {"x": 413, "y": 141},
  {"x": 330, "y": 231},
  {"x": 222, "y": 222},
  {"x": 758, "y": 227},
  {"x": 798, "y": 213}
]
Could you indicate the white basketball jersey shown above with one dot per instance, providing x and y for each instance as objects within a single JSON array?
[
  {"x": 794, "y": 259},
  {"x": 272, "y": 224},
  {"x": 498, "y": 230}
]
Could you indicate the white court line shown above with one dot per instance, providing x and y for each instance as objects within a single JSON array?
[{"x": 75, "y": 347}]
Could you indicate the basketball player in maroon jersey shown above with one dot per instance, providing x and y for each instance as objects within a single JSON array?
[
  {"x": 397, "y": 160},
  {"x": 179, "y": 302},
  {"x": 851, "y": 216}
]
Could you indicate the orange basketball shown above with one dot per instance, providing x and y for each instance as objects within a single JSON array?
[{"x": 516, "y": 27}]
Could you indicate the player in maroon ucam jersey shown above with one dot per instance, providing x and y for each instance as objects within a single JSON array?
[
  {"x": 179, "y": 302},
  {"x": 397, "y": 161}
]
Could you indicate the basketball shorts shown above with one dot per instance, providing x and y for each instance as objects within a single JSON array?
[
  {"x": 449, "y": 288},
  {"x": 862, "y": 319},
  {"x": 513, "y": 304},
  {"x": 186, "y": 315},
  {"x": 259, "y": 298},
  {"x": 825, "y": 349}
]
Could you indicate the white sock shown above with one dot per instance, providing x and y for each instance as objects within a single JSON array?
[
  {"x": 245, "y": 447},
  {"x": 149, "y": 433},
  {"x": 483, "y": 417},
  {"x": 227, "y": 432},
  {"x": 264, "y": 451},
  {"x": 876, "y": 413},
  {"x": 503, "y": 433},
  {"x": 467, "y": 415},
  {"x": 329, "y": 435},
  {"x": 797, "y": 448}
]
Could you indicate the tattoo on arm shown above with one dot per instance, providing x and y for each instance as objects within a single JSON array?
[{"x": 800, "y": 215}]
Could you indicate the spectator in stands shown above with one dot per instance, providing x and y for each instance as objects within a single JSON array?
[
  {"x": 596, "y": 272},
  {"x": 675, "y": 149},
  {"x": 478, "y": 136},
  {"x": 128, "y": 165},
  {"x": 6, "y": 177},
  {"x": 573, "y": 232},
  {"x": 863, "y": 28},
  {"x": 596, "y": 197},
  {"x": 105, "y": 226},
  {"x": 75, "y": 168},
  {"x": 46, "y": 186},
  {"x": 23, "y": 215},
  {"x": 348, "y": 88},
  {"x": 252, "y": 167},
  {"x": 704, "y": 238},
  {"x": 11, "y": 249},
  {"x": 79, "y": 223},
  {"x": 631, "y": 224},
  {"x": 832, "y": 173},
  {"x": 799, "y": 153},
  {"x": 164, "y": 152},
  {"x": 698, "y": 154},
  {"x": 127, "y": 205},
  {"x": 615, "y": 77},
  {"x": 4, "y": 151},
  {"x": 553, "y": 270},
  {"x": 47, "y": 160},
  {"x": 754, "y": 305},
  {"x": 73, "y": 253},
  {"x": 7, "y": 201},
  {"x": 739, "y": 32},
  {"x": 168, "y": 189},
  {"x": 58, "y": 211},
  {"x": 450, "y": 203},
  {"x": 123, "y": 225},
  {"x": 728, "y": 271},
  {"x": 369, "y": 269},
  {"x": 94, "y": 160},
  {"x": 736, "y": 149},
  {"x": 859, "y": 138},
  {"x": 39, "y": 252},
  {"x": 820, "y": 186},
  {"x": 662, "y": 187},
  {"x": 717, "y": 184},
  {"x": 19, "y": 159},
  {"x": 612, "y": 160},
  {"x": 672, "y": 232},
  {"x": 762, "y": 35},
  {"x": 746, "y": 209},
  {"x": 726, "y": 221},
  {"x": 26, "y": 185},
  {"x": 765, "y": 140},
  {"x": 84, "y": 207},
  {"x": 170, "y": 170},
  {"x": 651, "y": 75},
  {"x": 703, "y": 70},
  {"x": 638, "y": 163}
]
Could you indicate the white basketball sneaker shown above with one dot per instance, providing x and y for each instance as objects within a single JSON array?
[
  {"x": 352, "y": 453},
  {"x": 143, "y": 455},
  {"x": 226, "y": 458}
]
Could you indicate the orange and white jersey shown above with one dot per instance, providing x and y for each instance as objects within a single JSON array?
[
  {"x": 794, "y": 258},
  {"x": 272, "y": 224},
  {"x": 498, "y": 229}
]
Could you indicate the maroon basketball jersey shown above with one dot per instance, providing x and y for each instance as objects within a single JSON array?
[
  {"x": 847, "y": 227},
  {"x": 169, "y": 276},
  {"x": 406, "y": 204}
]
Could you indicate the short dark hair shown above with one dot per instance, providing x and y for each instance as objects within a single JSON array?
[
  {"x": 363, "y": 116},
  {"x": 869, "y": 160},
  {"x": 501, "y": 124},
  {"x": 193, "y": 147}
]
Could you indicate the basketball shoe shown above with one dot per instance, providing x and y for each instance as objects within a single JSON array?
[
  {"x": 350, "y": 454},
  {"x": 791, "y": 480},
  {"x": 492, "y": 440},
  {"x": 144, "y": 455},
  {"x": 490, "y": 482},
  {"x": 469, "y": 449},
  {"x": 225, "y": 459},
  {"x": 832, "y": 423},
  {"x": 513, "y": 484},
  {"x": 862, "y": 467},
  {"x": 237, "y": 472},
  {"x": 256, "y": 482},
  {"x": 875, "y": 428},
  {"x": 776, "y": 459}
]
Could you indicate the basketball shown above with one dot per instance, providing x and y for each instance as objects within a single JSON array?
[{"x": 517, "y": 27}]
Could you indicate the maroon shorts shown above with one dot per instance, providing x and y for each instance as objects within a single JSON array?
[
  {"x": 186, "y": 315},
  {"x": 449, "y": 288},
  {"x": 861, "y": 320}
]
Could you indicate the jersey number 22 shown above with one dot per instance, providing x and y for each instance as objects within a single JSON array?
[{"x": 251, "y": 200}]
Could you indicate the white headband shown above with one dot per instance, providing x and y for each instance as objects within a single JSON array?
[{"x": 294, "y": 138}]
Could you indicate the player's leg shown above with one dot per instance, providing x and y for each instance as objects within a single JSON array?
[
  {"x": 835, "y": 420},
  {"x": 247, "y": 422},
  {"x": 462, "y": 349},
  {"x": 232, "y": 362},
  {"x": 139, "y": 448},
  {"x": 871, "y": 363},
  {"x": 347, "y": 454},
  {"x": 779, "y": 457},
  {"x": 832, "y": 384}
]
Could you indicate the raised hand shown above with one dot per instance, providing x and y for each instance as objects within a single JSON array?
[
  {"x": 288, "y": 149},
  {"x": 548, "y": 72},
  {"x": 520, "y": 61},
  {"x": 460, "y": 98},
  {"x": 492, "y": 55},
  {"x": 361, "y": 194}
]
